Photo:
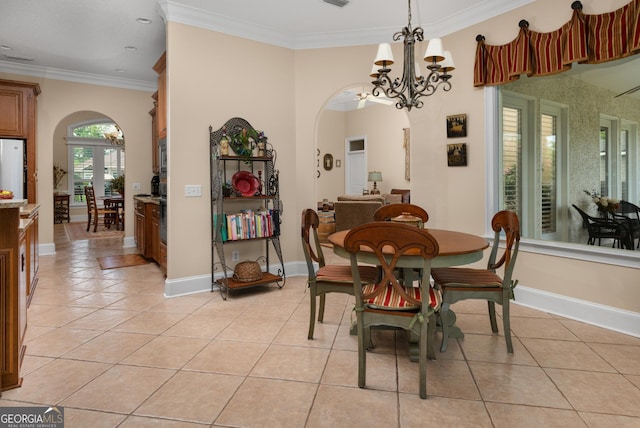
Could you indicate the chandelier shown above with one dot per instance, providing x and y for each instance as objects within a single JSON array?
[
  {"x": 116, "y": 138},
  {"x": 408, "y": 90}
]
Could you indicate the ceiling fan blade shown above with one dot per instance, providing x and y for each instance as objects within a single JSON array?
[
  {"x": 630, "y": 91},
  {"x": 379, "y": 100}
]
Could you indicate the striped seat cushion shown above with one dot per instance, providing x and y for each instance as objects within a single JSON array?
[
  {"x": 391, "y": 299},
  {"x": 342, "y": 273},
  {"x": 472, "y": 277}
]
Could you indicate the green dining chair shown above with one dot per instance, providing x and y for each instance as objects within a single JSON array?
[
  {"x": 484, "y": 284},
  {"x": 387, "y": 212},
  {"x": 327, "y": 278},
  {"x": 387, "y": 302}
]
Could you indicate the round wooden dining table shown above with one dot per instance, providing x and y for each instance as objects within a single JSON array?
[{"x": 455, "y": 249}]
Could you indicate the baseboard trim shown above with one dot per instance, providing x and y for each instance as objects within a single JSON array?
[
  {"x": 46, "y": 249},
  {"x": 198, "y": 284},
  {"x": 608, "y": 317}
]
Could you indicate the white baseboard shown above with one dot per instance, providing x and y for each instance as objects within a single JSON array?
[
  {"x": 129, "y": 242},
  {"x": 46, "y": 249},
  {"x": 201, "y": 283},
  {"x": 608, "y": 317}
]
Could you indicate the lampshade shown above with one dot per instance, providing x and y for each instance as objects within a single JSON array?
[
  {"x": 434, "y": 51},
  {"x": 374, "y": 71},
  {"x": 384, "y": 54},
  {"x": 447, "y": 65},
  {"x": 375, "y": 176}
]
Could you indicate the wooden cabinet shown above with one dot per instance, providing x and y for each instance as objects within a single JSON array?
[
  {"x": 152, "y": 230},
  {"x": 18, "y": 108},
  {"x": 139, "y": 227},
  {"x": 161, "y": 107},
  {"x": 147, "y": 230},
  {"x": 162, "y": 257},
  {"x": 30, "y": 218},
  {"x": 233, "y": 222},
  {"x": 61, "y": 207},
  {"x": 14, "y": 288}
]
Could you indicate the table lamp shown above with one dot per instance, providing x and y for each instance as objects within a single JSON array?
[{"x": 375, "y": 176}]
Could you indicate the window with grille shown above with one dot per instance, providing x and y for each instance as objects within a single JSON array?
[{"x": 93, "y": 160}]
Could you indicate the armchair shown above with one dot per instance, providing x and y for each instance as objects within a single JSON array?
[
  {"x": 630, "y": 214},
  {"x": 605, "y": 228}
]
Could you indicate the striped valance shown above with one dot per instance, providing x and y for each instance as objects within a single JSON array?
[{"x": 585, "y": 38}]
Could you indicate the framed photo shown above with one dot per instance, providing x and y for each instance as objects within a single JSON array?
[
  {"x": 457, "y": 154},
  {"x": 457, "y": 126},
  {"x": 338, "y": 163}
]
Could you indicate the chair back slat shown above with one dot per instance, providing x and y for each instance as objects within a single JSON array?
[
  {"x": 507, "y": 223},
  {"x": 387, "y": 212},
  {"x": 389, "y": 241},
  {"x": 309, "y": 235}
]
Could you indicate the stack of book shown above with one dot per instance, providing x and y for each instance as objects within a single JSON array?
[{"x": 248, "y": 224}]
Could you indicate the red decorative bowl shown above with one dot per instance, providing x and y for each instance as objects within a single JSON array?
[{"x": 245, "y": 183}]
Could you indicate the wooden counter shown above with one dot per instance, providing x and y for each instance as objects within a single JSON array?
[{"x": 13, "y": 290}]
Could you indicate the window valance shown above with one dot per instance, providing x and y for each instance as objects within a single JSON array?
[{"x": 585, "y": 38}]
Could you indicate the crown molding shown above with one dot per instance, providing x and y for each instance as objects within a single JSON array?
[
  {"x": 173, "y": 11},
  {"x": 74, "y": 76}
]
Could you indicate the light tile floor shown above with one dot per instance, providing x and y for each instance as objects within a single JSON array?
[{"x": 113, "y": 351}]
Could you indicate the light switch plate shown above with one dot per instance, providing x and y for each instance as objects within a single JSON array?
[{"x": 193, "y": 190}]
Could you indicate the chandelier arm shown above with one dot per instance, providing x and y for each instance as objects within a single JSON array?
[{"x": 408, "y": 89}]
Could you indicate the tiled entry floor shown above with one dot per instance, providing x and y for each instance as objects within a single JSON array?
[{"x": 113, "y": 351}]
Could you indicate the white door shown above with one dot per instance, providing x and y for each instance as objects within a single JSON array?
[{"x": 356, "y": 166}]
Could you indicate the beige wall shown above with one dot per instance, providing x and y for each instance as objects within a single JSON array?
[
  {"x": 213, "y": 78},
  {"x": 382, "y": 127},
  {"x": 58, "y": 100},
  {"x": 331, "y": 135}
]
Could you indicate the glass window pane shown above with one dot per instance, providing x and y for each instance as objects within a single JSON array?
[
  {"x": 548, "y": 147},
  {"x": 604, "y": 160},
  {"x": 624, "y": 164},
  {"x": 82, "y": 171},
  {"x": 511, "y": 158}
]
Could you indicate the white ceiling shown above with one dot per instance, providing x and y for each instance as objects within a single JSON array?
[{"x": 85, "y": 40}]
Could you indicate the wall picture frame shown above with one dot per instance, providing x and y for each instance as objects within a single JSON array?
[
  {"x": 457, "y": 154},
  {"x": 457, "y": 126}
]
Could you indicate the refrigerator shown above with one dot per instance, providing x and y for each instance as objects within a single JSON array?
[{"x": 13, "y": 167}]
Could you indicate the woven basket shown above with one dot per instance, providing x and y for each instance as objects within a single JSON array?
[{"x": 247, "y": 271}]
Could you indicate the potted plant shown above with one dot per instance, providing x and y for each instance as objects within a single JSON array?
[
  {"x": 117, "y": 184},
  {"x": 58, "y": 175}
]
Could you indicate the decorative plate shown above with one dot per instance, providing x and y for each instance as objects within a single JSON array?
[{"x": 245, "y": 183}]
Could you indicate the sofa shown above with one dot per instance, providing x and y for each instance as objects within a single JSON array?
[{"x": 353, "y": 210}]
